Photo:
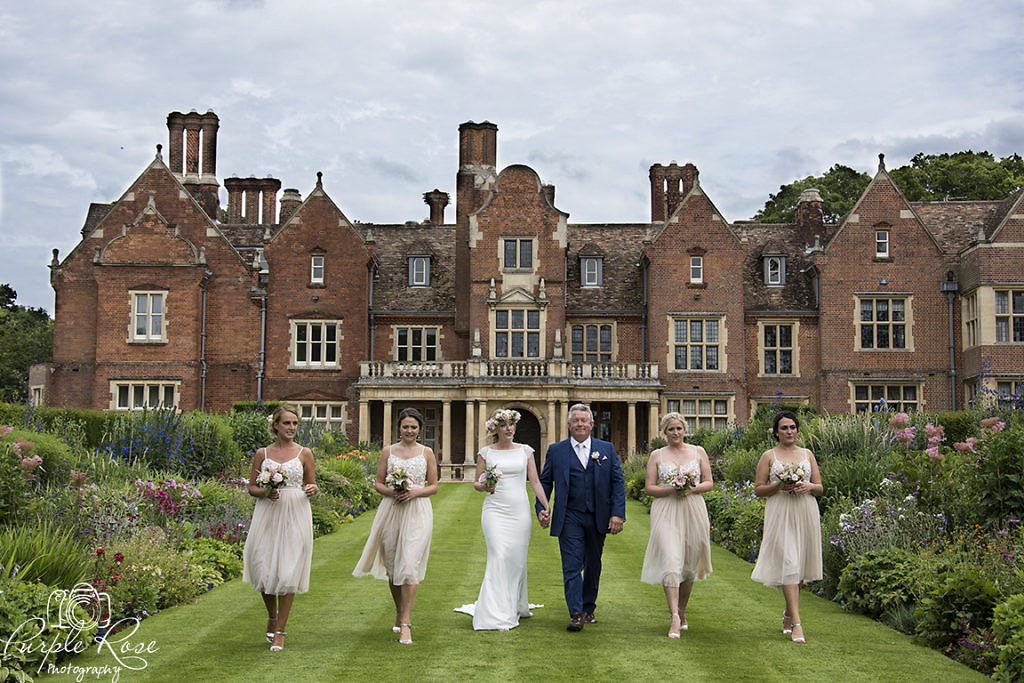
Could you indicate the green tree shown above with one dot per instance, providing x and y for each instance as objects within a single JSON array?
[
  {"x": 962, "y": 175},
  {"x": 26, "y": 337},
  {"x": 840, "y": 188}
]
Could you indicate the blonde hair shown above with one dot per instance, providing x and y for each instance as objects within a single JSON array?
[
  {"x": 275, "y": 417},
  {"x": 670, "y": 417}
]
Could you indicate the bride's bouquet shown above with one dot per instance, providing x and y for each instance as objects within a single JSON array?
[
  {"x": 490, "y": 476},
  {"x": 397, "y": 478},
  {"x": 272, "y": 477},
  {"x": 788, "y": 473}
]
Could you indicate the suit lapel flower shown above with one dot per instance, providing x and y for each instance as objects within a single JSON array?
[{"x": 597, "y": 457}]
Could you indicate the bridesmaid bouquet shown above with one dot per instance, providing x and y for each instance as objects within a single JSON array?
[
  {"x": 490, "y": 476},
  {"x": 684, "y": 479},
  {"x": 272, "y": 476},
  {"x": 788, "y": 473},
  {"x": 397, "y": 478}
]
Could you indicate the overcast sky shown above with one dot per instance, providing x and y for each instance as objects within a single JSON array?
[{"x": 589, "y": 94}]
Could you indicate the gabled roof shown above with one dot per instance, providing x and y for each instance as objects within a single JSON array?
[
  {"x": 955, "y": 224},
  {"x": 1008, "y": 207},
  {"x": 318, "y": 191}
]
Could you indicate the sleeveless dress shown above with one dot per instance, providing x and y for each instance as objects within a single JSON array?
[
  {"x": 399, "y": 542},
  {"x": 507, "y": 520},
  {"x": 791, "y": 545},
  {"x": 279, "y": 547},
  {"x": 679, "y": 549}
]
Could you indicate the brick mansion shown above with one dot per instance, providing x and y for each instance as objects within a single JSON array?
[{"x": 169, "y": 301}]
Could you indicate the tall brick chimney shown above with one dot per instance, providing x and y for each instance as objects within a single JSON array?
[
  {"x": 673, "y": 191},
  {"x": 269, "y": 188},
  {"x": 436, "y": 200},
  {"x": 235, "y": 188},
  {"x": 291, "y": 200},
  {"x": 657, "y": 193},
  {"x": 251, "y": 194},
  {"x": 809, "y": 215},
  {"x": 478, "y": 154},
  {"x": 192, "y": 156}
]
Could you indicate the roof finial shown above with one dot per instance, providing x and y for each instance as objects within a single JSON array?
[
  {"x": 881, "y": 162},
  {"x": 320, "y": 180},
  {"x": 158, "y": 148}
]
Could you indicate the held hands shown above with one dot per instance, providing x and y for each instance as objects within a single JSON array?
[
  {"x": 615, "y": 524},
  {"x": 544, "y": 517}
]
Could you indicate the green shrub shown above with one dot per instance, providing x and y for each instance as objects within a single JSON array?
[
  {"x": 223, "y": 558},
  {"x": 213, "y": 449},
  {"x": 25, "y": 604},
  {"x": 634, "y": 471},
  {"x": 740, "y": 464},
  {"x": 145, "y": 574},
  {"x": 714, "y": 441},
  {"x": 14, "y": 486},
  {"x": 325, "y": 517},
  {"x": 93, "y": 423},
  {"x": 45, "y": 553},
  {"x": 878, "y": 581},
  {"x": 56, "y": 456},
  {"x": 958, "y": 425},
  {"x": 963, "y": 600},
  {"x": 857, "y": 477},
  {"x": 736, "y": 516},
  {"x": 249, "y": 431},
  {"x": 1008, "y": 626},
  {"x": 999, "y": 479}
]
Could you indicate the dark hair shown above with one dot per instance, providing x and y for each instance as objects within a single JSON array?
[
  {"x": 778, "y": 418},
  {"x": 410, "y": 412}
]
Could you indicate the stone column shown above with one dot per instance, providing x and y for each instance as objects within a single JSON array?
[
  {"x": 653, "y": 422},
  {"x": 446, "y": 431},
  {"x": 631, "y": 430},
  {"x": 364, "y": 421},
  {"x": 563, "y": 422},
  {"x": 551, "y": 432},
  {"x": 386, "y": 433},
  {"x": 470, "y": 434}
]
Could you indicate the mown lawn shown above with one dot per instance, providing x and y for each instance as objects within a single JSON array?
[{"x": 341, "y": 629}]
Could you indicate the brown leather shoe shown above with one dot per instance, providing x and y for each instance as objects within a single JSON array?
[
  {"x": 588, "y": 618},
  {"x": 575, "y": 622}
]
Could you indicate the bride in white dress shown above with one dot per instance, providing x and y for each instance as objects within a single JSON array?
[{"x": 506, "y": 520}]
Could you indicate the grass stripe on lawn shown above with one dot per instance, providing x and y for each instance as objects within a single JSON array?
[{"x": 341, "y": 629}]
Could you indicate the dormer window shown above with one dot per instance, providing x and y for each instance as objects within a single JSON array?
[
  {"x": 316, "y": 270},
  {"x": 419, "y": 271},
  {"x": 881, "y": 244},
  {"x": 775, "y": 270},
  {"x": 591, "y": 268}
]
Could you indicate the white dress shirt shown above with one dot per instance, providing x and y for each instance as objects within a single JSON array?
[{"x": 582, "y": 449}]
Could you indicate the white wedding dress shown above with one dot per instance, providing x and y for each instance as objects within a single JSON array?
[{"x": 507, "y": 521}]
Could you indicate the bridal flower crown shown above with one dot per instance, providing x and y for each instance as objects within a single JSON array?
[{"x": 501, "y": 417}]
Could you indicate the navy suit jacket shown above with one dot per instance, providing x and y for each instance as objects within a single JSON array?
[{"x": 609, "y": 485}]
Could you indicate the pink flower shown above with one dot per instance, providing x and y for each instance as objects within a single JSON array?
[
  {"x": 5, "y": 430},
  {"x": 989, "y": 421},
  {"x": 278, "y": 478},
  {"x": 899, "y": 420},
  {"x": 934, "y": 455},
  {"x": 965, "y": 446},
  {"x": 934, "y": 431}
]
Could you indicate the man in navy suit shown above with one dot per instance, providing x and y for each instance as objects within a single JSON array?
[{"x": 589, "y": 502}]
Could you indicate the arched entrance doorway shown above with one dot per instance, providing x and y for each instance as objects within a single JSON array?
[{"x": 528, "y": 432}]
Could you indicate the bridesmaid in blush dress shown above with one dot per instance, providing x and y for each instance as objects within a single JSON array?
[
  {"x": 279, "y": 546},
  {"x": 679, "y": 551},
  {"x": 399, "y": 542},
  {"x": 791, "y": 545},
  {"x": 506, "y": 520}
]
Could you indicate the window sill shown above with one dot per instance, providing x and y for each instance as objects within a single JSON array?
[
  {"x": 419, "y": 286},
  {"x": 697, "y": 372},
  {"x": 147, "y": 342},
  {"x": 316, "y": 285},
  {"x": 518, "y": 270},
  {"x": 312, "y": 368},
  {"x": 696, "y": 285},
  {"x": 590, "y": 286},
  {"x": 883, "y": 259},
  {"x": 906, "y": 350}
]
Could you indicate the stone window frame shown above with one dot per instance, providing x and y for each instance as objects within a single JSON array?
[
  {"x": 865, "y": 395},
  {"x": 599, "y": 325},
  {"x": 493, "y": 315},
  {"x": 1009, "y": 320},
  {"x": 591, "y": 272},
  {"x": 763, "y": 349},
  {"x": 123, "y": 394},
  {"x": 710, "y": 411},
  {"x": 969, "y": 313},
  {"x": 883, "y": 245},
  {"x": 148, "y": 337},
  {"x": 419, "y": 271},
  {"x": 697, "y": 270},
  {"x": 907, "y": 323},
  {"x": 329, "y": 414},
  {"x": 324, "y": 343},
  {"x": 721, "y": 343},
  {"x": 317, "y": 262},
  {"x": 425, "y": 349},
  {"x": 519, "y": 240},
  {"x": 775, "y": 277}
]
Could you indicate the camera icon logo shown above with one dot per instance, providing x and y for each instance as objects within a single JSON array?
[{"x": 61, "y": 612}]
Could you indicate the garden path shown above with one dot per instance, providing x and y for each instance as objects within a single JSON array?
[{"x": 341, "y": 629}]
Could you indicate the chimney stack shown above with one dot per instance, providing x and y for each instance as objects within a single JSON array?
[
  {"x": 436, "y": 200},
  {"x": 810, "y": 215},
  {"x": 269, "y": 188},
  {"x": 549, "y": 192},
  {"x": 192, "y": 156},
  {"x": 235, "y": 188},
  {"x": 291, "y": 200},
  {"x": 657, "y": 176}
]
